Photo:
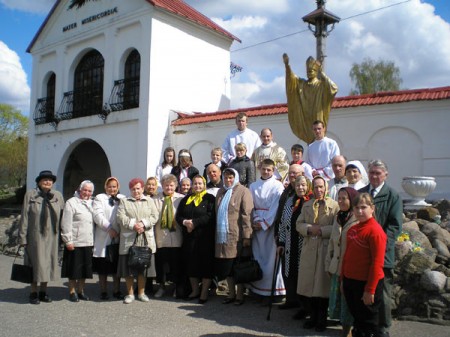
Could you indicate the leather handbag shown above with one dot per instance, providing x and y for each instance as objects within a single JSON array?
[
  {"x": 247, "y": 271},
  {"x": 112, "y": 252},
  {"x": 20, "y": 272},
  {"x": 139, "y": 257}
]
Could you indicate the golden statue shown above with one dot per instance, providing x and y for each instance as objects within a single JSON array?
[{"x": 308, "y": 100}]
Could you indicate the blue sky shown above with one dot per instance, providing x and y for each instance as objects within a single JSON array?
[{"x": 412, "y": 34}]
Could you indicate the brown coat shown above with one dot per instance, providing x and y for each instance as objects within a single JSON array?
[
  {"x": 313, "y": 280},
  {"x": 239, "y": 220}
]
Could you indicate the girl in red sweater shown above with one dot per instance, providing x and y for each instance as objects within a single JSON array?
[{"x": 362, "y": 268}]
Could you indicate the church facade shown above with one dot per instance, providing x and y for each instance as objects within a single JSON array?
[{"x": 105, "y": 78}]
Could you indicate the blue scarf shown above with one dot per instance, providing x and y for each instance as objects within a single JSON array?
[{"x": 222, "y": 213}]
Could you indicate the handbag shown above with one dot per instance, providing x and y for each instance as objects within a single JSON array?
[
  {"x": 139, "y": 257},
  {"x": 112, "y": 252},
  {"x": 20, "y": 272},
  {"x": 246, "y": 271}
]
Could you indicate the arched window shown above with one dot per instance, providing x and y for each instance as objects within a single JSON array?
[
  {"x": 50, "y": 106},
  {"x": 88, "y": 85},
  {"x": 132, "y": 80}
]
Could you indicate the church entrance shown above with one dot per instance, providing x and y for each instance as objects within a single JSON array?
[{"x": 87, "y": 161}]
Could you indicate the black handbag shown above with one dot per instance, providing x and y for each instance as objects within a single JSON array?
[
  {"x": 246, "y": 271},
  {"x": 112, "y": 252},
  {"x": 139, "y": 257},
  {"x": 20, "y": 272}
]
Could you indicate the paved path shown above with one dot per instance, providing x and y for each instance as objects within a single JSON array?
[{"x": 165, "y": 317}]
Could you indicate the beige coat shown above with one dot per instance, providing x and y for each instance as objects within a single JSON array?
[
  {"x": 337, "y": 245},
  {"x": 239, "y": 221},
  {"x": 313, "y": 280},
  {"x": 164, "y": 237},
  {"x": 130, "y": 212}
]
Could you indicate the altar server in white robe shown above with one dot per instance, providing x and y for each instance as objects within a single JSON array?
[
  {"x": 266, "y": 193},
  {"x": 321, "y": 152}
]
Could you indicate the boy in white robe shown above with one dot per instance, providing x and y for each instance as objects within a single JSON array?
[{"x": 266, "y": 193}]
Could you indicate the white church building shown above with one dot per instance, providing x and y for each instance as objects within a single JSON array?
[{"x": 111, "y": 82}]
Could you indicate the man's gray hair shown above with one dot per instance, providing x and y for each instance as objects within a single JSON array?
[{"x": 378, "y": 163}]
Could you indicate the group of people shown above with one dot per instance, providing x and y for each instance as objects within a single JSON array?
[{"x": 332, "y": 225}]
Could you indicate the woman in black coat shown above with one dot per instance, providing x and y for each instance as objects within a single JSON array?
[
  {"x": 185, "y": 167},
  {"x": 196, "y": 216}
]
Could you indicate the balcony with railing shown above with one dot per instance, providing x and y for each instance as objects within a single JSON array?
[
  {"x": 80, "y": 103},
  {"x": 125, "y": 94},
  {"x": 44, "y": 112}
]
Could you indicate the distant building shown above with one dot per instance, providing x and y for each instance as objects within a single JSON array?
[{"x": 105, "y": 78}]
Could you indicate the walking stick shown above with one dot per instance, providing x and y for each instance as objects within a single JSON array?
[{"x": 276, "y": 267}]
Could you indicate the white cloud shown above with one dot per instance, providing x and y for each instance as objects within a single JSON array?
[
  {"x": 32, "y": 6},
  {"x": 14, "y": 89},
  {"x": 411, "y": 35}
]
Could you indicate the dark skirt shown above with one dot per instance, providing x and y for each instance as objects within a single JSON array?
[
  {"x": 168, "y": 264},
  {"x": 103, "y": 267},
  {"x": 223, "y": 268},
  {"x": 124, "y": 271},
  {"x": 77, "y": 263}
]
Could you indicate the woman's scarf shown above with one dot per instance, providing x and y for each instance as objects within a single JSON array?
[
  {"x": 317, "y": 203},
  {"x": 222, "y": 212},
  {"x": 342, "y": 217},
  {"x": 197, "y": 198},
  {"x": 167, "y": 214},
  {"x": 47, "y": 211}
]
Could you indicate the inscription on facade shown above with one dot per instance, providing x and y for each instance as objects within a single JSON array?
[
  {"x": 69, "y": 27},
  {"x": 91, "y": 18}
]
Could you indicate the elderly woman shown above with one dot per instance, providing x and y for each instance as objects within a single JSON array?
[
  {"x": 77, "y": 233},
  {"x": 356, "y": 174},
  {"x": 185, "y": 186},
  {"x": 105, "y": 211},
  {"x": 168, "y": 235},
  {"x": 136, "y": 217},
  {"x": 315, "y": 224},
  {"x": 185, "y": 167},
  {"x": 343, "y": 221},
  {"x": 234, "y": 205},
  {"x": 196, "y": 215},
  {"x": 243, "y": 165},
  {"x": 39, "y": 232},
  {"x": 289, "y": 242},
  {"x": 151, "y": 187}
]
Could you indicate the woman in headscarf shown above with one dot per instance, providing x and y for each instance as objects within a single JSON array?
[
  {"x": 196, "y": 216},
  {"x": 234, "y": 205},
  {"x": 168, "y": 236},
  {"x": 77, "y": 233},
  {"x": 136, "y": 215},
  {"x": 315, "y": 224},
  {"x": 356, "y": 174},
  {"x": 343, "y": 221},
  {"x": 289, "y": 242},
  {"x": 185, "y": 167},
  {"x": 39, "y": 233},
  {"x": 105, "y": 211}
]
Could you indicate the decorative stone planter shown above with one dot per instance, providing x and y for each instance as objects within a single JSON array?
[{"x": 419, "y": 188}]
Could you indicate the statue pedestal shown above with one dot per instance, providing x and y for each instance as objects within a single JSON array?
[{"x": 419, "y": 188}]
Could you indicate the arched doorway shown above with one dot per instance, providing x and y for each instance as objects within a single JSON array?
[{"x": 87, "y": 161}]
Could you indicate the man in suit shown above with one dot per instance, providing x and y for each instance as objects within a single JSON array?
[{"x": 388, "y": 211}]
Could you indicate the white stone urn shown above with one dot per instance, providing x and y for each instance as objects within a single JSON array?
[{"x": 419, "y": 188}]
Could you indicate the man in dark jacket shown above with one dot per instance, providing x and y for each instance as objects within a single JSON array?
[{"x": 388, "y": 211}]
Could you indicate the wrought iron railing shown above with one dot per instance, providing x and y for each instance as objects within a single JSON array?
[
  {"x": 80, "y": 103},
  {"x": 125, "y": 94},
  {"x": 44, "y": 112}
]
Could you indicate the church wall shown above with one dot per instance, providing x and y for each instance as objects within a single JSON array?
[{"x": 410, "y": 137}]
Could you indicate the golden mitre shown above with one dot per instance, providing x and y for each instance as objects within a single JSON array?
[{"x": 311, "y": 62}]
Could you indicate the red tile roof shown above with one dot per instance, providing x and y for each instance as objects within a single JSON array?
[
  {"x": 177, "y": 7},
  {"x": 390, "y": 97}
]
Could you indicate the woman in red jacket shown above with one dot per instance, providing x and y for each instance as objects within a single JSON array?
[{"x": 362, "y": 268}]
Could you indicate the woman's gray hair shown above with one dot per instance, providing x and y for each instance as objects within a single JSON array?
[
  {"x": 378, "y": 163},
  {"x": 84, "y": 183},
  {"x": 169, "y": 178}
]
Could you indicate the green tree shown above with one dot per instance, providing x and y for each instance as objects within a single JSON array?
[
  {"x": 370, "y": 77},
  {"x": 13, "y": 145}
]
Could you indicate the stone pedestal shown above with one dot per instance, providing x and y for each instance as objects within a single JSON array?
[{"x": 419, "y": 188}]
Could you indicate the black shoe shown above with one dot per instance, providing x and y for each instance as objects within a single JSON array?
[
  {"x": 288, "y": 305},
  {"x": 309, "y": 324},
  {"x": 239, "y": 302},
  {"x": 229, "y": 300},
  {"x": 118, "y": 295},
  {"x": 34, "y": 299},
  {"x": 202, "y": 301},
  {"x": 43, "y": 297},
  {"x": 73, "y": 298},
  {"x": 320, "y": 327},
  {"x": 104, "y": 296},
  {"x": 301, "y": 314},
  {"x": 83, "y": 297}
]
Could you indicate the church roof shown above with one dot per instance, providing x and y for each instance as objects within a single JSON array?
[
  {"x": 389, "y": 97},
  {"x": 177, "y": 7}
]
